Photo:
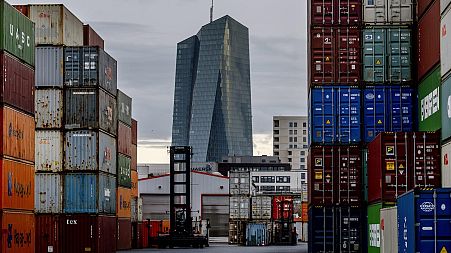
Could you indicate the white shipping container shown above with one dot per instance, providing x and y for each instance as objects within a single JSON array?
[
  {"x": 49, "y": 150},
  {"x": 140, "y": 209},
  {"x": 444, "y": 4},
  {"x": 239, "y": 183},
  {"x": 381, "y": 12},
  {"x": 49, "y": 67},
  {"x": 446, "y": 166},
  {"x": 48, "y": 108},
  {"x": 445, "y": 44},
  {"x": 56, "y": 25},
  {"x": 48, "y": 196},
  {"x": 389, "y": 230},
  {"x": 261, "y": 207},
  {"x": 239, "y": 207}
]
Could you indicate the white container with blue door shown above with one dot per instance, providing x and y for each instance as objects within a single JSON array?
[{"x": 256, "y": 234}]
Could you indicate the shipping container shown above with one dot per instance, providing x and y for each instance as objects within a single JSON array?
[
  {"x": 144, "y": 239},
  {"x": 90, "y": 150},
  {"x": 137, "y": 233},
  {"x": 256, "y": 234},
  {"x": 123, "y": 171},
  {"x": 374, "y": 227},
  {"x": 48, "y": 196},
  {"x": 239, "y": 207},
  {"x": 17, "y": 33},
  {"x": 124, "y": 108},
  {"x": 239, "y": 183},
  {"x": 89, "y": 193},
  {"x": 102, "y": 70},
  {"x": 445, "y": 45},
  {"x": 22, "y": 9},
  {"x": 423, "y": 221},
  {"x": 134, "y": 176},
  {"x": 393, "y": 12},
  {"x": 49, "y": 150},
  {"x": 124, "y": 145},
  {"x": 124, "y": 234},
  {"x": 17, "y": 184},
  {"x": 444, "y": 5},
  {"x": 140, "y": 209},
  {"x": 18, "y": 232},
  {"x": 49, "y": 108},
  {"x": 335, "y": 175},
  {"x": 134, "y": 132},
  {"x": 422, "y": 6},
  {"x": 90, "y": 108},
  {"x": 389, "y": 230},
  {"x": 237, "y": 232},
  {"x": 429, "y": 116},
  {"x": 17, "y": 83},
  {"x": 335, "y": 12},
  {"x": 92, "y": 38},
  {"x": 387, "y": 54},
  {"x": 335, "y": 115},
  {"x": 387, "y": 109},
  {"x": 428, "y": 39},
  {"x": 446, "y": 166},
  {"x": 134, "y": 158},
  {"x": 123, "y": 205},
  {"x": 336, "y": 229},
  {"x": 445, "y": 103},
  {"x": 18, "y": 135},
  {"x": 133, "y": 209},
  {"x": 261, "y": 207},
  {"x": 399, "y": 162},
  {"x": 88, "y": 233},
  {"x": 49, "y": 66},
  {"x": 335, "y": 55},
  {"x": 282, "y": 207},
  {"x": 48, "y": 233}
]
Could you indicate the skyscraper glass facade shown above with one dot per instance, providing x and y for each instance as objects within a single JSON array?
[{"x": 212, "y": 100}]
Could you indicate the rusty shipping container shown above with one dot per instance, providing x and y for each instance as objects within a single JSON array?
[
  {"x": 134, "y": 157},
  {"x": 49, "y": 66},
  {"x": 17, "y": 184},
  {"x": 90, "y": 109},
  {"x": 124, "y": 234},
  {"x": 92, "y": 38},
  {"x": 422, "y": 6},
  {"x": 123, "y": 202},
  {"x": 134, "y": 132},
  {"x": 124, "y": 145},
  {"x": 17, "y": 83},
  {"x": 335, "y": 55},
  {"x": 18, "y": 135},
  {"x": 48, "y": 233},
  {"x": 88, "y": 233},
  {"x": 18, "y": 232},
  {"x": 48, "y": 193},
  {"x": 335, "y": 175},
  {"x": 335, "y": 12},
  {"x": 49, "y": 150},
  {"x": 134, "y": 192},
  {"x": 124, "y": 108},
  {"x": 428, "y": 40},
  {"x": 49, "y": 108},
  {"x": 401, "y": 161},
  {"x": 24, "y": 9}
]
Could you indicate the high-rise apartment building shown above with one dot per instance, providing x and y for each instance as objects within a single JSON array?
[
  {"x": 212, "y": 99},
  {"x": 290, "y": 140}
]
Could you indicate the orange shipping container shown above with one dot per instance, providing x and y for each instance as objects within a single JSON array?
[
  {"x": 18, "y": 135},
  {"x": 304, "y": 216},
  {"x": 17, "y": 185},
  {"x": 134, "y": 183},
  {"x": 123, "y": 202},
  {"x": 166, "y": 226},
  {"x": 18, "y": 232}
]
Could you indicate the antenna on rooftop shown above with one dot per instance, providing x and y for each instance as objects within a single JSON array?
[{"x": 211, "y": 11}]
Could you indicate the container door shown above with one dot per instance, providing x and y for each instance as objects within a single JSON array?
[
  {"x": 323, "y": 61},
  {"x": 399, "y": 51},
  {"x": 348, "y": 55},
  {"x": 374, "y": 54},
  {"x": 375, "y": 11},
  {"x": 426, "y": 150},
  {"x": 374, "y": 112},
  {"x": 400, "y": 109},
  {"x": 349, "y": 115},
  {"x": 323, "y": 110},
  {"x": 322, "y": 12},
  {"x": 349, "y": 12},
  {"x": 400, "y": 11},
  {"x": 349, "y": 171},
  {"x": 322, "y": 176}
]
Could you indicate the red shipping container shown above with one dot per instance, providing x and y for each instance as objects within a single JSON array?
[
  {"x": 88, "y": 233},
  {"x": 335, "y": 12},
  {"x": 17, "y": 185},
  {"x": 282, "y": 207},
  {"x": 18, "y": 232},
  {"x": 124, "y": 134},
  {"x": 429, "y": 40},
  {"x": 335, "y": 175},
  {"x": 17, "y": 83},
  {"x": 144, "y": 239},
  {"x": 24, "y": 9},
  {"x": 399, "y": 162},
  {"x": 136, "y": 235},
  {"x": 134, "y": 132},
  {"x": 124, "y": 234},
  {"x": 48, "y": 233},
  {"x": 92, "y": 38},
  {"x": 422, "y": 6}
]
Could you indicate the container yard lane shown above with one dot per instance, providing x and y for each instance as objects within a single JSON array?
[{"x": 225, "y": 248}]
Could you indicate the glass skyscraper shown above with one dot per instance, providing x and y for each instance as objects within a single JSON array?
[{"x": 212, "y": 99}]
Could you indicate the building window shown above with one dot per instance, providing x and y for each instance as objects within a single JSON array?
[
  {"x": 276, "y": 139},
  {"x": 290, "y": 146},
  {"x": 291, "y": 139},
  {"x": 302, "y": 152},
  {"x": 290, "y": 152},
  {"x": 305, "y": 146},
  {"x": 289, "y": 160},
  {"x": 290, "y": 132},
  {"x": 276, "y": 153},
  {"x": 302, "y": 160},
  {"x": 290, "y": 124},
  {"x": 303, "y": 176},
  {"x": 302, "y": 167},
  {"x": 304, "y": 132},
  {"x": 283, "y": 179},
  {"x": 276, "y": 146},
  {"x": 255, "y": 179},
  {"x": 304, "y": 139},
  {"x": 295, "y": 132},
  {"x": 295, "y": 124},
  {"x": 304, "y": 124},
  {"x": 295, "y": 146},
  {"x": 283, "y": 188},
  {"x": 276, "y": 131},
  {"x": 295, "y": 139},
  {"x": 267, "y": 188},
  {"x": 267, "y": 179},
  {"x": 276, "y": 123}
]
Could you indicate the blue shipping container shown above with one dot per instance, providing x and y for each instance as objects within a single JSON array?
[
  {"x": 335, "y": 115},
  {"x": 387, "y": 109},
  {"x": 336, "y": 229},
  {"x": 424, "y": 221},
  {"x": 256, "y": 235}
]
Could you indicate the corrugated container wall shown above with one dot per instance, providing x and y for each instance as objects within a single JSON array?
[
  {"x": 124, "y": 171},
  {"x": 261, "y": 207},
  {"x": 429, "y": 40},
  {"x": 17, "y": 185},
  {"x": 124, "y": 108},
  {"x": 22, "y": 9},
  {"x": 374, "y": 228},
  {"x": 102, "y": 71},
  {"x": 49, "y": 193},
  {"x": 17, "y": 83},
  {"x": 282, "y": 207},
  {"x": 429, "y": 116},
  {"x": 12, "y": 19},
  {"x": 446, "y": 165},
  {"x": 134, "y": 157},
  {"x": 18, "y": 232},
  {"x": 393, "y": 12},
  {"x": 124, "y": 234},
  {"x": 389, "y": 230},
  {"x": 134, "y": 174},
  {"x": 444, "y": 4},
  {"x": 123, "y": 206},
  {"x": 123, "y": 139},
  {"x": 445, "y": 101},
  {"x": 90, "y": 108},
  {"x": 335, "y": 12},
  {"x": 239, "y": 207},
  {"x": 445, "y": 44},
  {"x": 92, "y": 38},
  {"x": 56, "y": 25},
  {"x": 18, "y": 134},
  {"x": 422, "y": 6},
  {"x": 49, "y": 66},
  {"x": 239, "y": 183},
  {"x": 49, "y": 150},
  {"x": 134, "y": 132},
  {"x": 49, "y": 108},
  {"x": 48, "y": 233}
]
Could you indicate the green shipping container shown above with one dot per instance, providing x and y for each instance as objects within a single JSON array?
[
  {"x": 445, "y": 103},
  {"x": 17, "y": 33},
  {"x": 374, "y": 239},
  {"x": 124, "y": 108},
  {"x": 124, "y": 178},
  {"x": 429, "y": 116}
]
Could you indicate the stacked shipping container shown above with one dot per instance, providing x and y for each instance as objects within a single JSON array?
[{"x": 240, "y": 206}]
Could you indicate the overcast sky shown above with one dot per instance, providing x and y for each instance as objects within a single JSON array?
[{"x": 142, "y": 36}]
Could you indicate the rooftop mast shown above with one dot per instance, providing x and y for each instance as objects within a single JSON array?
[{"x": 211, "y": 11}]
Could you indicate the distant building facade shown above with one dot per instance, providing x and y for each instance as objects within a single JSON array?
[{"x": 212, "y": 99}]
